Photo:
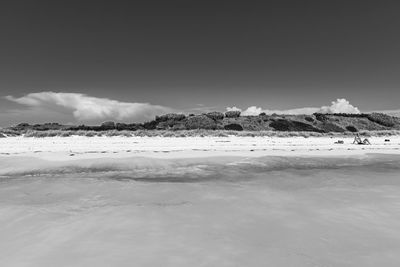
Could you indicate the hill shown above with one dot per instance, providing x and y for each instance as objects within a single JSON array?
[{"x": 233, "y": 121}]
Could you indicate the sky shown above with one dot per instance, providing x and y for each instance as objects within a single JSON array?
[{"x": 90, "y": 61}]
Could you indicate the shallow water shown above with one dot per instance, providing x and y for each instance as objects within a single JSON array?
[{"x": 271, "y": 211}]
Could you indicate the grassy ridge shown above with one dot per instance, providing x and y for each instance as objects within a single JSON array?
[
  {"x": 196, "y": 133},
  {"x": 220, "y": 124}
]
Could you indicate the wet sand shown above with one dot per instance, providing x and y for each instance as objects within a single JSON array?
[{"x": 229, "y": 211}]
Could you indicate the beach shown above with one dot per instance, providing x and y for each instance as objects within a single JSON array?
[
  {"x": 80, "y": 147},
  {"x": 201, "y": 201},
  {"x": 199, "y": 134}
]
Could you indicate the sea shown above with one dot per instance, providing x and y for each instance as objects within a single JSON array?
[{"x": 217, "y": 211}]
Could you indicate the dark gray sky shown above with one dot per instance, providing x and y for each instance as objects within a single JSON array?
[{"x": 273, "y": 54}]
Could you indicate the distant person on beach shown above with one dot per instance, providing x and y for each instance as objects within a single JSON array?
[{"x": 358, "y": 141}]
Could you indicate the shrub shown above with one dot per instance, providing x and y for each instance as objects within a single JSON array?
[
  {"x": 127, "y": 127},
  {"x": 10, "y": 132},
  {"x": 309, "y": 119},
  {"x": 331, "y": 127},
  {"x": 110, "y": 124},
  {"x": 52, "y": 133},
  {"x": 107, "y": 125},
  {"x": 288, "y": 125},
  {"x": 215, "y": 115},
  {"x": 2, "y": 135},
  {"x": 200, "y": 122},
  {"x": 88, "y": 133},
  {"x": 22, "y": 125},
  {"x": 121, "y": 126},
  {"x": 165, "y": 122},
  {"x": 151, "y": 125},
  {"x": 178, "y": 127},
  {"x": 46, "y": 127},
  {"x": 54, "y": 124},
  {"x": 168, "y": 134},
  {"x": 382, "y": 119},
  {"x": 165, "y": 125},
  {"x": 76, "y": 128},
  {"x": 42, "y": 134},
  {"x": 321, "y": 117},
  {"x": 170, "y": 116},
  {"x": 352, "y": 129},
  {"x": 65, "y": 133},
  {"x": 233, "y": 127},
  {"x": 117, "y": 133},
  {"x": 232, "y": 114},
  {"x": 351, "y": 115},
  {"x": 262, "y": 114},
  {"x": 280, "y": 125}
]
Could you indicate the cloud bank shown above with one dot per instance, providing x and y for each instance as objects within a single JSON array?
[
  {"x": 75, "y": 107},
  {"x": 394, "y": 112},
  {"x": 86, "y": 108},
  {"x": 338, "y": 106}
]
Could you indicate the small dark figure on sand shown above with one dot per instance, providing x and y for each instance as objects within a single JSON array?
[{"x": 358, "y": 141}]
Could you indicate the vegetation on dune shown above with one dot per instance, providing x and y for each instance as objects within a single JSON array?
[
  {"x": 321, "y": 117},
  {"x": 215, "y": 115},
  {"x": 289, "y": 125},
  {"x": 170, "y": 117},
  {"x": 309, "y": 119},
  {"x": 218, "y": 123},
  {"x": 232, "y": 114},
  {"x": 128, "y": 127},
  {"x": 202, "y": 133},
  {"x": 233, "y": 127},
  {"x": 383, "y": 119},
  {"x": 200, "y": 122},
  {"x": 9, "y": 132},
  {"x": 328, "y": 127},
  {"x": 108, "y": 124},
  {"x": 351, "y": 129}
]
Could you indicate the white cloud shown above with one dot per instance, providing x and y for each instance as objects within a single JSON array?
[
  {"x": 253, "y": 110},
  {"x": 233, "y": 109},
  {"x": 338, "y": 106},
  {"x": 86, "y": 108}
]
